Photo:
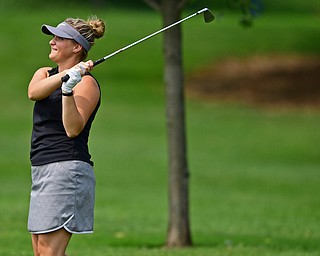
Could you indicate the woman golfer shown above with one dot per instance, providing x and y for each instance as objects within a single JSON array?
[{"x": 63, "y": 182}]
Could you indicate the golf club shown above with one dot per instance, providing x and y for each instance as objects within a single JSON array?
[{"x": 207, "y": 15}]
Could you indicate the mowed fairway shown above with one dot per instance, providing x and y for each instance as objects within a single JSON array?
[{"x": 255, "y": 172}]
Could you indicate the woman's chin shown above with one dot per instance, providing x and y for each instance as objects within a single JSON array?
[{"x": 52, "y": 56}]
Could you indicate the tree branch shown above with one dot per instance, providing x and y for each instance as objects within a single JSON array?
[{"x": 153, "y": 4}]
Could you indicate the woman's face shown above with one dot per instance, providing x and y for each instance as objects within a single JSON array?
[{"x": 61, "y": 49}]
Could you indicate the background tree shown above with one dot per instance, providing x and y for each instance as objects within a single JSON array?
[
  {"x": 179, "y": 233},
  {"x": 178, "y": 226}
]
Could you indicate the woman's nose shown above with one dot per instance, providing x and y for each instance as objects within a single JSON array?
[{"x": 52, "y": 41}]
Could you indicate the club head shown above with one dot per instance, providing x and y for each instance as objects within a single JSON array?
[{"x": 208, "y": 15}]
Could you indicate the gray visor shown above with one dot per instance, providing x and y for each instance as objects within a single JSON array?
[{"x": 64, "y": 30}]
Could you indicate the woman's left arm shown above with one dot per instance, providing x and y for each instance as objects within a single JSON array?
[{"x": 77, "y": 109}]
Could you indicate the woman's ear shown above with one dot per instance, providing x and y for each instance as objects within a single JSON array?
[{"x": 77, "y": 48}]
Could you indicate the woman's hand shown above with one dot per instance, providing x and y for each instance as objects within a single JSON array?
[
  {"x": 75, "y": 75},
  {"x": 84, "y": 67}
]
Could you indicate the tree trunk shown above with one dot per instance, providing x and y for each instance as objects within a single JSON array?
[{"x": 178, "y": 226}]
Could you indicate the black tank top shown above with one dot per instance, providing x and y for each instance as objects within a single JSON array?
[{"x": 49, "y": 142}]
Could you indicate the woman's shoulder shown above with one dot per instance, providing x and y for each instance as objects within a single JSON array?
[{"x": 44, "y": 70}]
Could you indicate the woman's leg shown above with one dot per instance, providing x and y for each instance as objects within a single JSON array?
[
  {"x": 51, "y": 244},
  {"x": 35, "y": 244}
]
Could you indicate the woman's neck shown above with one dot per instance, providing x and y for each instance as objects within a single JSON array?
[{"x": 67, "y": 64}]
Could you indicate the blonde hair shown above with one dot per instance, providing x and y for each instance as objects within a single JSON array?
[{"x": 91, "y": 29}]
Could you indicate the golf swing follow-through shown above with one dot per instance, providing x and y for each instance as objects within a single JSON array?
[
  {"x": 207, "y": 15},
  {"x": 62, "y": 194}
]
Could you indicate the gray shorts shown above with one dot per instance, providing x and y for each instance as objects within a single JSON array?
[{"x": 62, "y": 196}]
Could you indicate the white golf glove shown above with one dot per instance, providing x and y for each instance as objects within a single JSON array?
[{"x": 74, "y": 78}]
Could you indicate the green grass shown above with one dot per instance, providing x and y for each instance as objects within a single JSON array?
[{"x": 254, "y": 172}]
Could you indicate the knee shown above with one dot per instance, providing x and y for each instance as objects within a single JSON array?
[
  {"x": 44, "y": 250},
  {"x": 53, "y": 244},
  {"x": 47, "y": 249}
]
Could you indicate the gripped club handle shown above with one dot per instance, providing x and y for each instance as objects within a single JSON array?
[{"x": 66, "y": 77}]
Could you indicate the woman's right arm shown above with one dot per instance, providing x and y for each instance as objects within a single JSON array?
[{"x": 42, "y": 85}]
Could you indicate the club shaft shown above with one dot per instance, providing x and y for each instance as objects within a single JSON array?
[
  {"x": 66, "y": 77},
  {"x": 147, "y": 37}
]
